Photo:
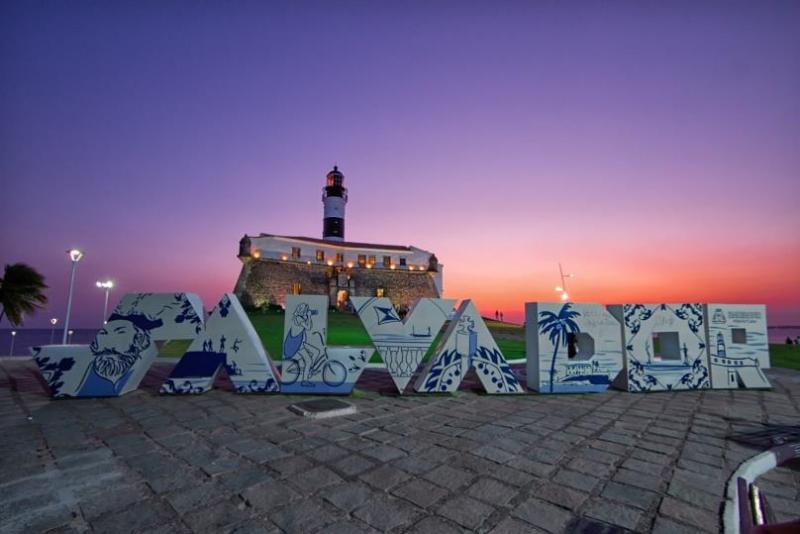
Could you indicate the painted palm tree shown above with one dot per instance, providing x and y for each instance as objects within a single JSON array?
[
  {"x": 21, "y": 292},
  {"x": 558, "y": 327}
]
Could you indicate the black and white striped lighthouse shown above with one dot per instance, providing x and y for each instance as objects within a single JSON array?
[{"x": 334, "y": 198}]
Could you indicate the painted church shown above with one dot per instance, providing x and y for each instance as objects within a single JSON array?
[{"x": 275, "y": 265}]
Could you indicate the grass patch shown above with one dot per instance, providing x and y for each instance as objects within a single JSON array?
[
  {"x": 174, "y": 348},
  {"x": 786, "y": 356},
  {"x": 346, "y": 329}
]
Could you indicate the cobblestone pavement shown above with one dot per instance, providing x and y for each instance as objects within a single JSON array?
[{"x": 238, "y": 463}]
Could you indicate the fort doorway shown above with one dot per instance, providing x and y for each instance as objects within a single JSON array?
[{"x": 342, "y": 297}]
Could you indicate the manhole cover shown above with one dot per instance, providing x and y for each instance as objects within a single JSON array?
[
  {"x": 768, "y": 436},
  {"x": 321, "y": 408}
]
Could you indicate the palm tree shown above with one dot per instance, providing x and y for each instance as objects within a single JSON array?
[
  {"x": 21, "y": 292},
  {"x": 558, "y": 327}
]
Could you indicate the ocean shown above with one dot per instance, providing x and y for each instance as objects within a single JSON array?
[{"x": 32, "y": 337}]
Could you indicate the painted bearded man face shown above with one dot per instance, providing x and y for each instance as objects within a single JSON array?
[{"x": 117, "y": 347}]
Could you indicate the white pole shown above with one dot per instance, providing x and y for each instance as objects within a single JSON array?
[
  {"x": 69, "y": 302},
  {"x": 13, "y": 337},
  {"x": 105, "y": 306}
]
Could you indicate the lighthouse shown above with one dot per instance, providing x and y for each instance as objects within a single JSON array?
[{"x": 334, "y": 200}]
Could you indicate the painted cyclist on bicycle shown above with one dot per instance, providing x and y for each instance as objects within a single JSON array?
[{"x": 297, "y": 347}]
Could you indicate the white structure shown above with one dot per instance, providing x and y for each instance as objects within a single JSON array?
[
  {"x": 467, "y": 343},
  {"x": 737, "y": 345},
  {"x": 402, "y": 343},
  {"x": 665, "y": 347},
  {"x": 123, "y": 349},
  {"x": 228, "y": 340},
  {"x": 571, "y": 348},
  {"x": 309, "y": 365}
]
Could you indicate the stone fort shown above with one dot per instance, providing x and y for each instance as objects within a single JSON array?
[{"x": 274, "y": 265}]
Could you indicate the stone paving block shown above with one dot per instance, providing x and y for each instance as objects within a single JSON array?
[
  {"x": 434, "y": 525},
  {"x": 613, "y": 513},
  {"x": 119, "y": 497},
  {"x": 314, "y": 479},
  {"x": 385, "y": 477},
  {"x": 415, "y": 465},
  {"x": 348, "y": 496},
  {"x": 310, "y": 517},
  {"x": 494, "y": 454},
  {"x": 465, "y": 511},
  {"x": 238, "y": 481},
  {"x": 538, "y": 469},
  {"x": 630, "y": 495},
  {"x": 384, "y": 513},
  {"x": 576, "y": 480},
  {"x": 327, "y": 453},
  {"x": 448, "y": 477},
  {"x": 291, "y": 466},
  {"x": 420, "y": 492},
  {"x": 352, "y": 465},
  {"x": 347, "y": 527},
  {"x": 543, "y": 515},
  {"x": 664, "y": 525},
  {"x": 141, "y": 516},
  {"x": 492, "y": 491},
  {"x": 509, "y": 525},
  {"x": 638, "y": 479},
  {"x": 193, "y": 497},
  {"x": 269, "y": 495},
  {"x": 217, "y": 517},
  {"x": 560, "y": 495},
  {"x": 383, "y": 453},
  {"x": 643, "y": 467},
  {"x": 686, "y": 513}
]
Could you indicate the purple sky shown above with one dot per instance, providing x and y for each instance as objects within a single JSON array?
[{"x": 654, "y": 148}]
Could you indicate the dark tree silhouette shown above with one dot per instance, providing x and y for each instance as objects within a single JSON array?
[{"x": 21, "y": 292}]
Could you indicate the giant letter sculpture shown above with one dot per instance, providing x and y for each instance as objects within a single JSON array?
[
  {"x": 571, "y": 348},
  {"x": 738, "y": 349},
  {"x": 402, "y": 343},
  {"x": 468, "y": 343},
  {"x": 309, "y": 365},
  {"x": 123, "y": 349},
  {"x": 229, "y": 340},
  {"x": 665, "y": 347}
]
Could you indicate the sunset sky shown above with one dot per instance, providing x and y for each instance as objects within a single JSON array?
[{"x": 652, "y": 148}]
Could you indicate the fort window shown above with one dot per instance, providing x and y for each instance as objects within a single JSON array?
[
  {"x": 371, "y": 260},
  {"x": 362, "y": 260},
  {"x": 739, "y": 335},
  {"x": 320, "y": 255},
  {"x": 295, "y": 252},
  {"x": 340, "y": 258},
  {"x": 380, "y": 292},
  {"x": 296, "y": 288},
  {"x": 666, "y": 346},
  {"x": 402, "y": 262},
  {"x": 387, "y": 261}
]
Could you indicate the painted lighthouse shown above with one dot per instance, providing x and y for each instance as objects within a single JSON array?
[{"x": 334, "y": 198}]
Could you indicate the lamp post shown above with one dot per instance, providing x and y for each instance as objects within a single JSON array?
[
  {"x": 106, "y": 286},
  {"x": 70, "y": 335},
  {"x": 53, "y": 323},
  {"x": 75, "y": 256},
  {"x": 13, "y": 337},
  {"x": 563, "y": 287}
]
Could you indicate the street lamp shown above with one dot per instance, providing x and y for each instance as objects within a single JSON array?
[
  {"x": 107, "y": 286},
  {"x": 75, "y": 256},
  {"x": 53, "y": 323},
  {"x": 70, "y": 335},
  {"x": 13, "y": 337},
  {"x": 563, "y": 287}
]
